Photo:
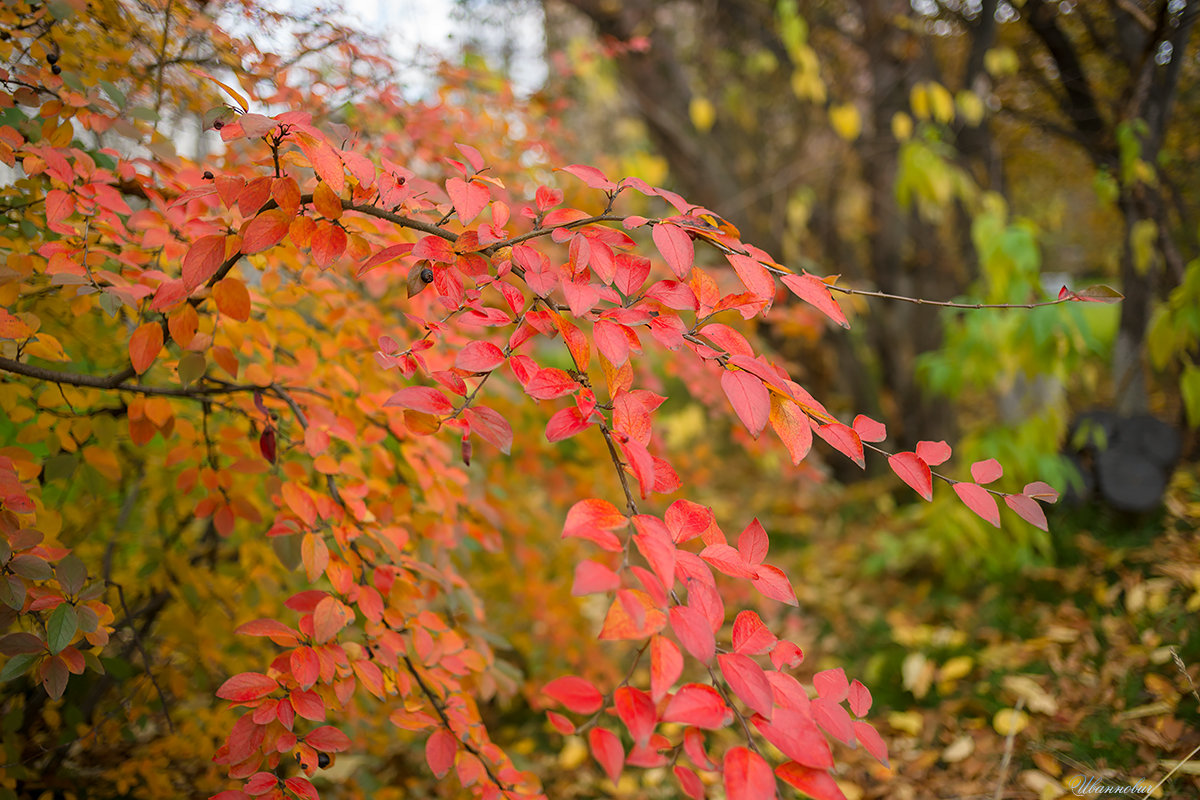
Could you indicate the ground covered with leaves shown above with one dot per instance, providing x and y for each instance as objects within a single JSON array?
[{"x": 1091, "y": 665}]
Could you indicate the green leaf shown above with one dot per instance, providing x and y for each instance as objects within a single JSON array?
[
  {"x": 115, "y": 94},
  {"x": 71, "y": 574},
  {"x": 142, "y": 112},
  {"x": 191, "y": 367},
  {"x": 61, "y": 627},
  {"x": 1189, "y": 387},
  {"x": 1100, "y": 294},
  {"x": 16, "y": 666}
]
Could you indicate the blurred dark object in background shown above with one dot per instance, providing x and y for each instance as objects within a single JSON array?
[{"x": 1123, "y": 461}]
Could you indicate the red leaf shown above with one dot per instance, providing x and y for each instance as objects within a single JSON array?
[
  {"x": 266, "y": 230},
  {"x": 421, "y": 398},
  {"x": 728, "y": 561},
  {"x": 308, "y": 704},
  {"x": 816, "y": 783},
  {"x": 751, "y": 635},
  {"x": 813, "y": 291},
  {"x": 305, "y": 666},
  {"x": 676, "y": 247},
  {"x": 843, "y": 439},
  {"x": 986, "y": 471},
  {"x": 202, "y": 260},
  {"x": 491, "y": 427},
  {"x": 694, "y": 633},
  {"x": 833, "y": 719},
  {"x": 468, "y": 198},
  {"x": 772, "y": 583},
  {"x": 832, "y": 684},
  {"x": 247, "y": 686},
  {"x": 612, "y": 341},
  {"x": 575, "y": 693},
  {"x": 566, "y": 423},
  {"x": 913, "y": 470},
  {"x": 1027, "y": 509},
  {"x": 666, "y": 665},
  {"x": 440, "y": 749},
  {"x": 933, "y": 453},
  {"x": 327, "y": 739},
  {"x": 786, "y": 655},
  {"x": 797, "y": 737},
  {"x": 479, "y": 357},
  {"x": 608, "y": 751},
  {"x": 748, "y": 682},
  {"x": 593, "y": 578},
  {"x": 792, "y": 428},
  {"x": 860, "y": 699},
  {"x": 697, "y": 704},
  {"x": 589, "y": 175},
  {"x": 549, "y": 383},
  {"x": 385, "y": 255},
  {"x": 753, "y": 543},
  {"x": 300, "y": 502},
  {"x": 869, "y": 430},
  {"x": 747, "y": 776},
  {"x": 871, "y": 741},
  {"x": 979, "y": 500},
  {"x": 753, "y": 275},
  {"x": 693, "y": 745},
  {"x": 328, "y": 242},
  {"x": 686, "y": 520},
  {"x": 620, "y": 622},
  {"x": 278, "y": 633},
  {"x": 560, "y": 723},
  {"x": 261, "y": 783},
  {"x": 144, "y": 346},
  {"x": 595, "y": 513},
  {"x": 329, "y": 617},
  {"x": 749, "y": 398},
  {"x": 690, "y": 782},
  {"x": 636, "y": 710},
  {"x": 655, "y": 544},
  {"x": 1041, "y": 491},
  {"x": 302, "y": 787}
]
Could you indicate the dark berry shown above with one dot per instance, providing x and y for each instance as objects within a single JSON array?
[
  {"x": 208, "y": 176},
  {"x": 322, "y": 760},
  {"x": 56, "y": 69},
  {"x": 427, "y": 275},
  {"x": 52, "y": 58}
]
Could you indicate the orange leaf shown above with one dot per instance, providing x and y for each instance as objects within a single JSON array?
[
  {"x": 144, "y": 346},
  {"x": 266, "y": 230},
  {"x": 182, "y": 324},
  {"x": 202, "y": 260},
  {"x": 232, "y": 298},
  {"x": 326, "y": 202}
]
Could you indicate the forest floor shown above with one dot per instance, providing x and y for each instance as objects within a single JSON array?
[{"x": 1073, "y": 680}]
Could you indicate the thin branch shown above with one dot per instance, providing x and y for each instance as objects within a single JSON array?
[{"x": 137, "y": 641}]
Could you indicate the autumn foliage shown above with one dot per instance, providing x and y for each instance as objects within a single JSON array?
[{"x": 294, "y": 403}]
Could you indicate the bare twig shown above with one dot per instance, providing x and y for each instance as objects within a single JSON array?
[{"x": 1008, "y": 751}]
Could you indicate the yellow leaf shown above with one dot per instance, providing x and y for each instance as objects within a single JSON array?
[
  {"x": 47, "y": 347},
  {"x": 970, "y": 107},
  {"x": 910, "y": 722},
  {"x": 702, "y": 113},
  {"x": 918, "y": 101},
  {"x": 1008, "y": 719},
  {"x": 103, "y": 461},
  {"x": 955, "y": 668},
  {"x": 941, "y": 102},
  {"x": 573, "y": 754},
  {"x": 902, "y": 126},
  {"x": 846, "y": 121}
]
